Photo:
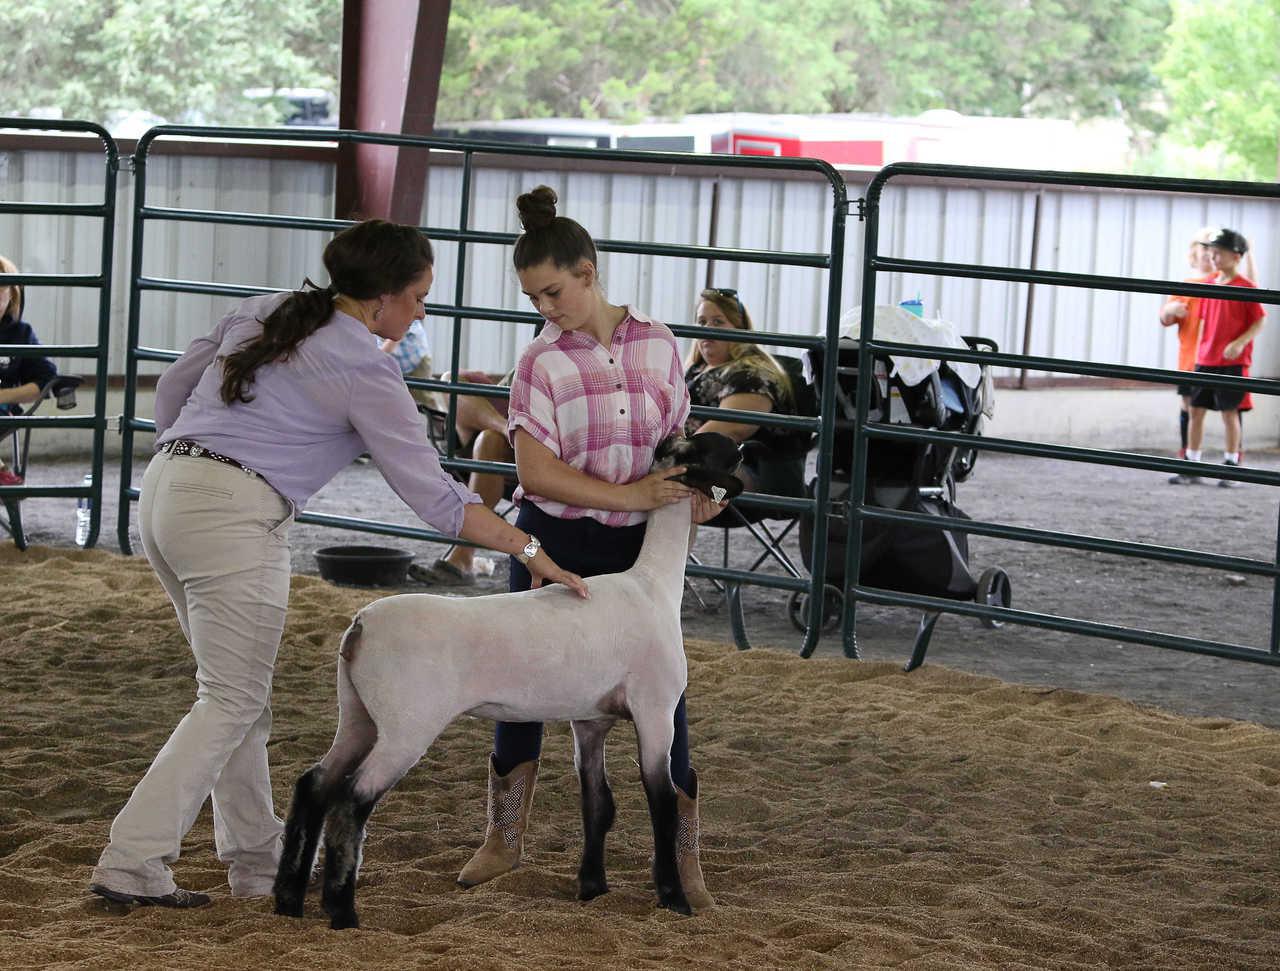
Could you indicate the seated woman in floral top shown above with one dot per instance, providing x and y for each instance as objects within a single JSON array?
[{"x": 743, "y": 376}]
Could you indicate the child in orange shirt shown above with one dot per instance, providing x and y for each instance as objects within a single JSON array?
[{"x": 1185, "y": 313}]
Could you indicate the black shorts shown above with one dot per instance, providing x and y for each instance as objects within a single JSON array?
[
  {"x": 1185, "y": 390},
  {"x": 1217, "y": 399}
]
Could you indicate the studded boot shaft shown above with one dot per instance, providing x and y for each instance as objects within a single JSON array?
[
  {"x": 510, "y": 797},
  {"x": 687, "y": 854}
]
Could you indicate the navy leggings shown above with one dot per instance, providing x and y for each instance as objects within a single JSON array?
[{"x": 588, "y": 548}]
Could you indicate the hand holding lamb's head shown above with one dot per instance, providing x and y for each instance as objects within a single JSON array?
[{"x": 709, "y": 460}]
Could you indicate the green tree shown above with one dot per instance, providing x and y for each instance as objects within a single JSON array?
[
  {"x": 626, "y": 60},
  {"x": 637, "y": 58},
  {"x": 1222, "y": 73},
  {"x": 630, "y": 58},
  {"x": 180, "y": 60},
  {"x": 1053, "y": 58}
]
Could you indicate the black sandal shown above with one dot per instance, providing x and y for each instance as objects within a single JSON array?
[{"x": 441, "y": 573}]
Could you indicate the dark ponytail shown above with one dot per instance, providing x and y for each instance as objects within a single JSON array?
[
  {"x": 365, "y": 261},
  {"x": 547, "y": 236}
]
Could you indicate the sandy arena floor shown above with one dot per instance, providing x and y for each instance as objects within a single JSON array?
[{"x": 854, "y": 816}]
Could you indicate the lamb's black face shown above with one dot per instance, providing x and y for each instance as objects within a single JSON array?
[{"x": 710, "y": 460}]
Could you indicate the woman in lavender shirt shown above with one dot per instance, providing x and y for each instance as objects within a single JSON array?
[{"x": 251, "y": 421}]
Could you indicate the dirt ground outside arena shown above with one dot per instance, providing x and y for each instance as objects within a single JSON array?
[{"x": 1064, "y": 496}]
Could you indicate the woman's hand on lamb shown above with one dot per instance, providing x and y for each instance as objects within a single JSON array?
[
  {"x": 704, "y": 508},
  {"x": 542, "y": 473},
  {"x": 656, "y": 489},
  {"x": 483, "y": 526},
  {"x": 543, "y": 569}
]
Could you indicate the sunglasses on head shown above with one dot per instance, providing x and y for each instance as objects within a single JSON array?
[{"x": 729, "y": 292}]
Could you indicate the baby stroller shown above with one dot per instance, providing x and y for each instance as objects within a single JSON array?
[{"x": 918, "y": 477}]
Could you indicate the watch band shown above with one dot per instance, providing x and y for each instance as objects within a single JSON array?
[{"x": 530, "y": 550}]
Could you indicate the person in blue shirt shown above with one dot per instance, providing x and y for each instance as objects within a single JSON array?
[
  {"x": 479, "y": 432},
  {"x": 21, "y": 378}
]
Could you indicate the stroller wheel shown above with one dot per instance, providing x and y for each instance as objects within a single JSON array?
[
  {"x": 795, "y": 609},
  {"x": 994, "y": 588},
  {"x": 832, "y": 604}
]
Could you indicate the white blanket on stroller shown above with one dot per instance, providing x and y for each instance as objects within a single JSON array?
[{"x": 904, "y": 327}]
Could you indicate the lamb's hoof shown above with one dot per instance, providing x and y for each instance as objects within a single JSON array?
[
  {"x": 675, "y": 902},
  {"x": 591, "y": 889},
  {"x": 341, "y": 922},
  {"x": 288, "y": 905}
]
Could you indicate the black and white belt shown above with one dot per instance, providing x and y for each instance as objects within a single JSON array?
[{"x": 184, "y": 446}]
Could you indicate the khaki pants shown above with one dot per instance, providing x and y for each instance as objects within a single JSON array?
[{"x": 217, "y": 538}]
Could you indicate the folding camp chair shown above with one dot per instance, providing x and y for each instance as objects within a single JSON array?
[
  {"x": 755, "y": 520},
  {"x": 62, "y": 388}
]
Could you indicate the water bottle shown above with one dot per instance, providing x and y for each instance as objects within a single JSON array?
[
  {"x": 914, "y": 306},
  {"x": 84, "y": 513}
]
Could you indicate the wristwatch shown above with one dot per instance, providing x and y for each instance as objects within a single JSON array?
[{"x": 530, "y": 549}]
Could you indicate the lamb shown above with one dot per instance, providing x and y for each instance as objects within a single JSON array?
[{"x": 539, "y": 655}]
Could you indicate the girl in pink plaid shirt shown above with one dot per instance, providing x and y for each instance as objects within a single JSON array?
[{"x": 594, "y": 394}]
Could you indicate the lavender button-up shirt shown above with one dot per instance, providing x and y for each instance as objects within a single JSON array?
[{"x": 336, "y": 395}]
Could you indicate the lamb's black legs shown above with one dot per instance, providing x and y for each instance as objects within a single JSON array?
[
  {"x": 655, "y": 731},
  {"x": 344, "y": 835},
  {"x": 349, "y": 808},
  {"x": 662, "y": 811},
  {"x": 301, "y": 836},
  {"x": 340, "y": 801},
  {"x": 597, "y": 805}
]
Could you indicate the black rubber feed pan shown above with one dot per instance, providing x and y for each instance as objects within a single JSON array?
[{"x": 364, "y": 566}]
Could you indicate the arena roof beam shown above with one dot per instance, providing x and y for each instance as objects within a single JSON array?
[{"x": 392, "y": 55}]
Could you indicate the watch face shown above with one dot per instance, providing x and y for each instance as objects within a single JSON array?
[{"x": 531, "y": 548}]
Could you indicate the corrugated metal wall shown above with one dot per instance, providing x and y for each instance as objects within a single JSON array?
[
  {"x": 1134, "y": 234},
  {"x": 1140, "y": 235}
]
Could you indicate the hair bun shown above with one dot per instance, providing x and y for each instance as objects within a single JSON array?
[{"x": 537, "y": 209}]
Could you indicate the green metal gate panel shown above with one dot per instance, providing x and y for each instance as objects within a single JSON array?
[
  {"x": 463, "y": 235},
  {"x": 858, "y": 511},
  {"x": 97, "y": 422}
]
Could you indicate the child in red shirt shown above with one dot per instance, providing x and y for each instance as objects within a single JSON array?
[{"x": 1226, "y": 347}]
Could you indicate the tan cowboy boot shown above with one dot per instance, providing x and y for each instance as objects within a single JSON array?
[
  {"x": 510, "y": 796},
  {"x": 695, "y": 889}
]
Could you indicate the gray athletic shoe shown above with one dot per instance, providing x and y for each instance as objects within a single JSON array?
[
  {"x": 182, "y": 899},
  {"x": 1228, "y": 483},
  {"x": 1183, "y": 479}
]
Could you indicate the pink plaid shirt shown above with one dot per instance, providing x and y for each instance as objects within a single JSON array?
[{"x": 602, "y": 410}]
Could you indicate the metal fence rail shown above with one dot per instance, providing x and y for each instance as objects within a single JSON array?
[
  {"x": 463, "y": 235},
  {"x": 98, "y": 353},
  {"x": 858, "y": 512}
]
